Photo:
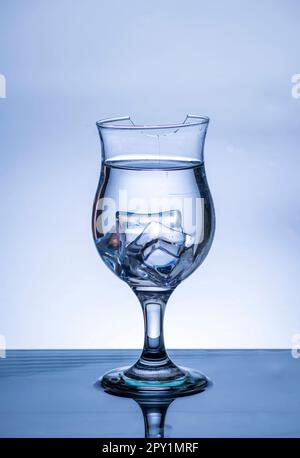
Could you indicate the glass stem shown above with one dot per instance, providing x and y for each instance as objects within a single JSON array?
[
  {"x": 153, "y": 305},
  {"x": 154, "y": 364}
]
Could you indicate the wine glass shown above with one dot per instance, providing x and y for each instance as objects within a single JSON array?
[{"x": 153, "y": 225}]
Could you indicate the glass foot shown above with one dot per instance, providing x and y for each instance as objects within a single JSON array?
[{"x": 181, "y": 381}]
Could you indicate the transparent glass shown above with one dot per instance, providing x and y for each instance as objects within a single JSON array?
[{"x": 153, "y": 224}]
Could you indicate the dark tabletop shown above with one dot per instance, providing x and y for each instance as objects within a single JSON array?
[{"x": 51, "y": 393}]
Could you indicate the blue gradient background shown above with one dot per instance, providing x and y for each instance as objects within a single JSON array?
[{"x": 68, "y": 63}]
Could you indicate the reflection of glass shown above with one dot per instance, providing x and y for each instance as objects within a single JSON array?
[
  {"x": 154, "y": 413},
  {"x": 153, "y": 225},
  {"x": 154, "y": 410}
]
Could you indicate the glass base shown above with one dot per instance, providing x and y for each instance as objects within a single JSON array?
[{"x": 180, "y": 381}]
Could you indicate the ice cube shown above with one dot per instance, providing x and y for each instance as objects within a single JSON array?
[
  {"x": 161, "y": 262},
  {"x": 159, "y": 258},
  {"x": 185, "y": 262},
  {"x": 157, "y": 231},
  {"x": 134, "y": 224},
  {"x": 170, "y": 248},
  {"x": 128, "y": 227},
  {"x": 153, "y": 247}
]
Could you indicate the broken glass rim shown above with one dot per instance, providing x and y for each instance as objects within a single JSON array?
[{"x": 113, "y": 123}]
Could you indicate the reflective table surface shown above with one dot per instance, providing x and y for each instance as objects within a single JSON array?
[{"x": 51, "y": 393}]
